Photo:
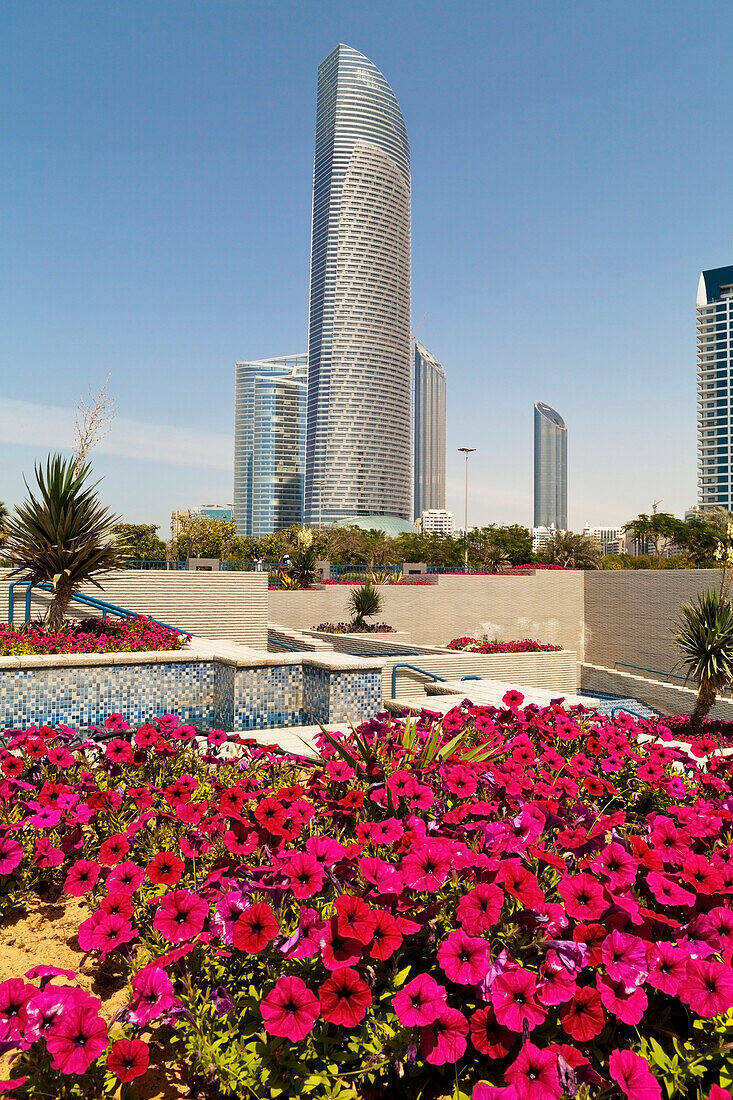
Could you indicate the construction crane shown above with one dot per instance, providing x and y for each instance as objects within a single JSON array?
[
  {"x": 420, "y": 324},
  {"x": 654, "y": 505}
]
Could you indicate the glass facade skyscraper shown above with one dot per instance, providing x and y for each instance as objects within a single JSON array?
[
  {"x": 715, "y": 388},
  {"x": 550, "y": 468},
  {"x": 429, "y": 464},
  {"x": 269, "y": 443},
  {"x": 359, "y": 459}
]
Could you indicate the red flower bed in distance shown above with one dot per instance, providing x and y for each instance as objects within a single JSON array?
[{"x": 513, "y": 904}]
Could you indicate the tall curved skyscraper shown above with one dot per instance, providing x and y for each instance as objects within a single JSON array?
[
  {"x": 358, "y": 435},
  {"x": 550, "y": 468}
]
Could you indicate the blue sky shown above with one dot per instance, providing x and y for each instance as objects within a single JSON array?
[{"x": 571, "y": 173}]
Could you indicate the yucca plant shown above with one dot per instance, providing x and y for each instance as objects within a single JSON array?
[
  {"x": 365, "y": 601},
  {"x": 302, "y": 567},
  {"x": 705, "y": 636},
  {"x": 62, "y": 534}
]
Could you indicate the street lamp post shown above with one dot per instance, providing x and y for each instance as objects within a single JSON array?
[{"x": 466, "y": 451}]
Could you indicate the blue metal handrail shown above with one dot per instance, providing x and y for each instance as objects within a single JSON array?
[
  {"x": 104, "y": 606},
  {"x": 425, "y": 672}
]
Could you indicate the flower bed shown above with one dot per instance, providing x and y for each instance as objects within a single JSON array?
[
  {"x": 353, "y": 628},
  {"x": 95, "y": 635},
  {"x": 512, "y": 905},
  {"x": 478, "y": 645}
]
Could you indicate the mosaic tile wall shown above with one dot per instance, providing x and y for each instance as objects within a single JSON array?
[
  {"x": 207, "y": 693},
  {"x": 267, "y": 696},
  {"x": 85, "y": 696}
]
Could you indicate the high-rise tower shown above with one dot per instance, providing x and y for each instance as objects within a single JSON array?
[
  {"x": 429, "y": 469},
  {"x": 715, "y": 388},
  {"x": 269, "y": 443},
  {"x": 550, "y": 468},
  {"x": 358, "y": 437}
]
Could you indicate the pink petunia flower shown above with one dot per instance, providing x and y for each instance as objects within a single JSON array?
[
  {"x": 426, "y": 867},
  {"x": 339, "y": 951},
  {"x": 583, "y": 1017},
  {"x": 126, "y": 876},
  {"x": 632, "y": 1074},
  {"x": 255, "y": 929},
  {"x": 153, "y": 995},
  {"x": 46, "y": 854},
  {"x": 386, "y": 937},
  {"x": 444, "y": 1041},
  {"x": 480, "y": 908},
  {"x": 128, "y": 1059},
  {"x": 534, "y": 1074},
  {"x": 76, "y": 1038},
  {"x": 513, "y": 996},
  {"x": 81, "y": 877},
  {"x": 14, "y": 997},
  {"x": 290, "y": 1009},
  {"x": 355, "y": 918},
  {"x": 464, "y": 959},
  {"x": 625, "y": 958},
  {"x": 305, "y": 874},
  {"x": 583, "y": 897},
  {"x": 11, "y": 855},
  {"x": 419, "y": 1002},
  {"x": 628, "y": 1004},
  {"x": 345, "y": 998},
  {"x": 180, "y": 916},
  {"x": 667, "y": 967},
  {"x": 308, "y": 937},
  {"x": 708, "y": 987},
  {"x": 668, "y": 891},
  {"x": 488, "y": 1036}
]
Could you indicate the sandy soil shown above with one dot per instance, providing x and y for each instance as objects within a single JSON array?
[{"x": 46, "y": 934}]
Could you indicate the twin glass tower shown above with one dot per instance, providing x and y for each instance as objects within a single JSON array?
[{"x": 359, "y": 419}]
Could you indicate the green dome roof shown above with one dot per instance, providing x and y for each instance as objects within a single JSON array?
[{"x": 391, "y": 525}]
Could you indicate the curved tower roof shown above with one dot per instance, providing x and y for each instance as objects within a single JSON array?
[
  {"x": 358, "y": 449},
  {"x": 550, "y": 468}
]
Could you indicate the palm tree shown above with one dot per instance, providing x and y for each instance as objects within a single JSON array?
[
  {"x": 365, "y": 601},
  {"x": 705, "y": 636},
  {"x": 571, "y": 550},
  {"x": 63, "y": 535},
  {"x": 3, "y": 522}
]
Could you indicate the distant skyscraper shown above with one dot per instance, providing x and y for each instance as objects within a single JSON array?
[
  {"x": 358, "y": 459},
  {"x": 429, "y": 466},
  {"x": 715, "y": 388},
  {"x": 269, "y": 443},
  {"x": 550, "y": 468}
]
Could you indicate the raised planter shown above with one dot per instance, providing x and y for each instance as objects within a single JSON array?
[
  {"x": 211, "y": 684},
  {"x": 556, "y": 671}
]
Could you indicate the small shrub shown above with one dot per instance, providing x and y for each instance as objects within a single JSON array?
[{"x": 479, "y": 645}]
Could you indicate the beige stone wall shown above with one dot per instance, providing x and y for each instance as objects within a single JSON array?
[
  {"x": 629, "y": 614},
  {"x": 672, "y": 698},
  {"x": 547, "y": 606},
  {"x": 216, "y": 605}
]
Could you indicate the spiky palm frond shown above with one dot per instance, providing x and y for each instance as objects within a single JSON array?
[
  {"x": 62, "y": 533},
  {"x": 705, "y": 637},
  {"x": 365, "y": 601}
]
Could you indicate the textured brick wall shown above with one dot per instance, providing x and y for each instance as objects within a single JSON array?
[
  {"x": 667, "y": 698},
  {"x": 215, "y": 605},
  {"x": 629, "y": 614},
  {"x": 547, "y": 606}
]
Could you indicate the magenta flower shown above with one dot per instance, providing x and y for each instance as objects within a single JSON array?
[
  {"x": 255, "y": 929},
  {"x": 305, "y": 874},
  {"x": 444, "y": 1040},
  {"x": 668, "y": 891},
  {"x": 464, "y": 959},
  {"x": 153, "y": 995},
  {"x": 42, "y": 1011},
  {"x": 583, "y": 897},
  {"x": 625, "y": 958},
  {"x": 708, "y": 988},
  {"x": 386, "y": 937},
  {"x": 181, "y": 915},
  {"x": 513, "y": 996},
  {"x": 583, "y": 1017},
  {"x": 355, "y": 918},
  {"x": 667, "y": 967},
  {"x": 632, "y": 1075},
  {"x": 419, "y": 1002},
  {"x": 627, "y": 1003},
  {"x": 11, "y": 854},
  {"x": 128, "y": 1059},
  {"x": 480, "y": 908},
  {"x": 290, "y": 1009},
  {"x": 14, "y": 997},
  {"x": 46, "y": 854},
  {"x": 345, "y": 998},
  {"x": 308, "y": 937},
  {"x": 339, "y": 951},
  {"x": 126, "y": 877},
  {"x": 488, "y": 1036},
  {"x": 426, "y": 868},
  {"x": 81, "y": 877},
  {"x": 76, "y": 1038},
  {"x": 534, "y": 1074}
]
